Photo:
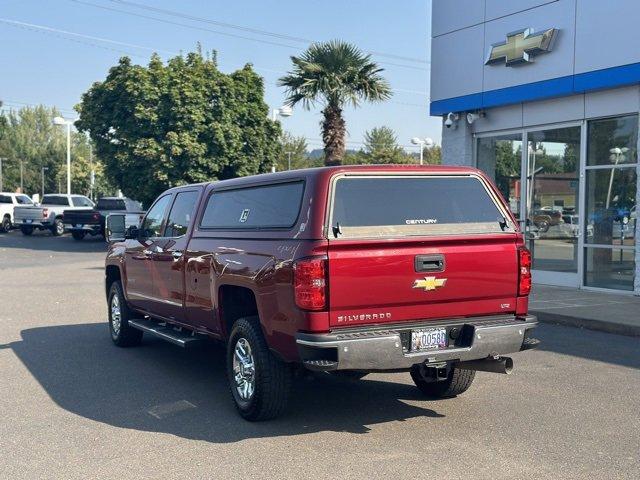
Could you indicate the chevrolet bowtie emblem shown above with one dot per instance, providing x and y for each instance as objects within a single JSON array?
[
  {"x": 521, "y": 46},
  {"x": 429, "y": 283}
]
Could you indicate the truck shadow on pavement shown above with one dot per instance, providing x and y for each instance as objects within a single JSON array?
[
  {"x": 161, "y": 388},
  {"x": 589, "y": 344}
]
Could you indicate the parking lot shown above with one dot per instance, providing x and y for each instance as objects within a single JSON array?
[{"x": 74, "y": 406}]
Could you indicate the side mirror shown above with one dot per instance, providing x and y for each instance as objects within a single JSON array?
[
  {"x": 115, "y": 229},
  {"x": 132, "y": 232}
]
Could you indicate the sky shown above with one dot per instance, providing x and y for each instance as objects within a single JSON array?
[{"x": 53, "y": 50}]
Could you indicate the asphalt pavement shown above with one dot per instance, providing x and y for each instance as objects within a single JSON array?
[{"x": 73, "y": 406}]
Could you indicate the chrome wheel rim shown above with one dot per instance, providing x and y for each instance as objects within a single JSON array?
[
  {"x": 116, "y": 316},
  {"x": 244, "y": 372},
  {"x": 60, "y": 228}
]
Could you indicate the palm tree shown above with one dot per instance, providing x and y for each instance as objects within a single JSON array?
[{"x": 334, "y": 73}]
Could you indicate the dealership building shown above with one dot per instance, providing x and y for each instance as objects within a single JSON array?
[{"x": 544, "y": 97}]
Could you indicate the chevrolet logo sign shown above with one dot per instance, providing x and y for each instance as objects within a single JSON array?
[
  {"x": 521, "y": 46},
  {"x": 429, "y": 283}
]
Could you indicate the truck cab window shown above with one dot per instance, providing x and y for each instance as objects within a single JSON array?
[
  {"x": 152, "y": 224},
  {"x": 82, "y": 202},
  {"x": 181, "y": 214}
]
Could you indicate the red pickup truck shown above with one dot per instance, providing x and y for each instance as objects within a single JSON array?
[{"x": 342, "y": 269}]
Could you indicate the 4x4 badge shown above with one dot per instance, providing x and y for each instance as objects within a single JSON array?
[{"x": 430, "y": 283}]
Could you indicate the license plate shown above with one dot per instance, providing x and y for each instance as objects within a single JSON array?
[
  {"x": 428, "y": 339},
  {"x": 29, "y": 221}
]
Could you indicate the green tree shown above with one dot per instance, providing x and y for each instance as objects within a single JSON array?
[
  {"x": 295, "y": 149},
  {"x": 432, "y": 155},
  {"x": 334, "y": 73},
  {"x": 381, "y": 146},
  {"x": 181, "y": 122},
  {"x": 29, "y": 137}
]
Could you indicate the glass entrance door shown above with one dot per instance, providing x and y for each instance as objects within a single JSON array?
[{"x": 552, "y": 205}]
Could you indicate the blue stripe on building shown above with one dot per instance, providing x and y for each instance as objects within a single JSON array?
[{"x": 562, "y": 86}]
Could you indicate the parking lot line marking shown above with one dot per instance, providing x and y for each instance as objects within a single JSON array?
[{"x": 167, "y": 409}]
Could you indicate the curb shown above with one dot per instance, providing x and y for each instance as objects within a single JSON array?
[{"x": 589, "y": 324}]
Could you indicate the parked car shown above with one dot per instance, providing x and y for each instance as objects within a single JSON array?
[
  {"x": 340, "y": 269},
  {"x": 91, "y": 222},
  {"x": 49, "y": 214},
  {"x": 545, "y": 218},
  {"x": 8, "y": 202}
]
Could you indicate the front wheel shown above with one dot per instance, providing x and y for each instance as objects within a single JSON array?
[
  {"x": 6, "y": 225},
  {"x": 26, "y": 230},
  {"x": 458, "y": 381},
  {"x": 78, "y": 235},
  {"x": 260, "y": 383},
  {"x": 58, "y": 227},
  {"x": 122, "y": 334}
]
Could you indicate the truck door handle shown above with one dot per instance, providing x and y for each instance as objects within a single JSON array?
[{"x": 430, "y": 263}]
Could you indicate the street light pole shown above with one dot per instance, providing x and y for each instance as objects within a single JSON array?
[
  {"x": 21, "y": 177},
  {"x": 1, "y": 159},
  {"x": 289, "y": 159},
  {"x": 44, "y": 169},
  {"x": 427, "y": 142},
  {"x": 68, "y": 158},
  {"x": 66, "y": 123}
]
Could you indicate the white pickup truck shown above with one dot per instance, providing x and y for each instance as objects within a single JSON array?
[
  {"x": 8, "y": 201},
  {"x": 49, "y": 214}
]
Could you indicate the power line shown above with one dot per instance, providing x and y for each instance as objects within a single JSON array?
[
  {"x": 250, "y": 29},
  {"x": 82, "y": 39},
  {"x": 80, "y": 35},
  {"x": 18, "y": 104},
  {"x": 218, "y": 32}
]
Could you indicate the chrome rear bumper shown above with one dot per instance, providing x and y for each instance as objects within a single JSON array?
[{"x": 388, "y": 348}]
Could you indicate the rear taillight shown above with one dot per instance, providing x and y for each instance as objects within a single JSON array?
[
  {"x": 310, "y": 284},
  {"x": 45, "y": 212},
  {"x": 524, "y": 264}
]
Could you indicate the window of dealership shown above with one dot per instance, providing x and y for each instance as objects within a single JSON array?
[{"x": 572, "y": 187}]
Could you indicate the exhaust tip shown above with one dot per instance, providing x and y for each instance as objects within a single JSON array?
[{"x": 508, "y": 365}]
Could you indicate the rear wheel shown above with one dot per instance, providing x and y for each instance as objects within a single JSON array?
[
  {"x": 26, "y": 230},
  {"x": 122, "y": 334},
  {"x": 58, "y": 227},
  {"x": 260, "y": 383},
  {"x": 78, "y": 235},
  {"x": 5, "y": 226},
  {"x": 458, "y": 381}
]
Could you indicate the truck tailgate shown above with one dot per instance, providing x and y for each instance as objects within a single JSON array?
[
  {"x": 27, "y": 213},
  {"x": 376, "y": 282}
]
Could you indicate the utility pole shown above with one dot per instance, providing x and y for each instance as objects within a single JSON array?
[
  {"x": 289, "y": 159},
  {"x": 44, "y": 169},
  {"x": 21, "y": 177},
  {"x": 1, "y": 186}
]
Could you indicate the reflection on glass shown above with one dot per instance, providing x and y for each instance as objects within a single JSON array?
[
  {"x": 609, "y": 268},
  {"x": 500, "y": 158},
  {"x": 553, "y": 159},
  {"x": 611, "y": 206},
  {"x": 612, "y": 141}
]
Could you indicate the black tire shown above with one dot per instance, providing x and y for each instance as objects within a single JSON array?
[
  {"x": 26, "y": 230},
  {"x": 123, "y": 335},
  {"x": 5, "y": 226},
  {"x": 271, "y": 377},
  {"x": 58, "y": 227},
  {"x": 458, "y": 381},
  {"x": 78, "y": 235},
  {"x": 543, "y": 226}
]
